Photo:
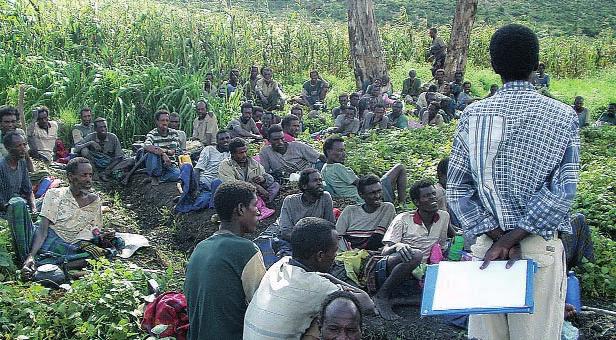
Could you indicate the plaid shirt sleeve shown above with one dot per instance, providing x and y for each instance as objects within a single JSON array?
[
  {"x": 550, "y": 205},
  {"x": 462, "y": 195}
]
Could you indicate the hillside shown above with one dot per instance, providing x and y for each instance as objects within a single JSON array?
[{"x": 556, "y": 17}]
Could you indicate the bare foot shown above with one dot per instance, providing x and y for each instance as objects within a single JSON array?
[{"x": 384, "y": 308}]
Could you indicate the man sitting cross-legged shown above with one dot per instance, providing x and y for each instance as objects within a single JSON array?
[
  {"x": 70, "y": 223},
  {"x": 362, "y": 226},
  {"x": 282, "y": 158},
  {"x": 206, "y": 170},
  {"x": 289, "y": 298},
  {"x": 102, "y": 148},
  {"x": 313, "y": 201},
  {"x": 161, "y": 146},
  {"x": 341, "y": 181},
  {"x": 225, "y": 269},
  {"x": 85, "y": 127},
  {"x": 240, "y": 167},
  {"x": 244, "y": 126},
  {"x": 408, "y": 241},
  {"x": 42, "y": 135},
  {"x": 14, "y": 180}
]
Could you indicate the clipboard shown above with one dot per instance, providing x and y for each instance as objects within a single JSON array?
[{"x": 431, "y": 283}]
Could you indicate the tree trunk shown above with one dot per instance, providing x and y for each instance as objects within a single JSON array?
[
  {"x": 366, "y": 50},
  {"x": 460, "y": 37}
]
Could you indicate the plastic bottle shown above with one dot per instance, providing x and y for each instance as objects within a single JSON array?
[
  {"x": 457, "y": 245},
  {"x": 573, "y": 291}
]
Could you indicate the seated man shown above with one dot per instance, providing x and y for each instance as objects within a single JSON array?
[
  {"x": 291, "y": 127},
  {"x": 457, "y": 84},
  {"x": 42, "y": 136},
  {"x": 288, "y": 300},
  {"x": 397, "y": 118},
  {"x": 206, "y": 170},
  {"x": 244, "y": 126},
  {"x": 425, "y": 98},
  {"x": 347, "y": 123},
  {"x": 269, "y": 95},
  {"x": 174, "y": 123},
  {"x": 298, "y": 111},
  {"x": 411, "y": 87},
  {"x": 85, "y": 127},
  {"x": 162, "y": 144},
  {"x": 439, "y": 80},
  {"x": 340, "y": 317},
  {"x": 257, "y": 116},
  {"x": 313, "y": 201},
  {"x": 493, "y": 89},
  {"x": 354, "y": 100},
  {"x": 232, "y": 83},
  {"x": 14, "y": 180},
  {"x": 101, "y": 148},
  {"x": 368, "y": 101},
  {"x": 209, "y": 88},
  {"x": 408, "y": 242},
  {"x": 465, "y": 97},
  {"x": 217, "y": 299},
  {"x": 70, "y": 225},
  {"x": 240, "y": 167},
  {"x": 375, "y": 119},
  {"x": 582, "y": 112},
  {"x": 280, "y": 158},
  {"x": 540, "y": 79},
  {"x": 341, "y": 181},
  {"x": 433, "y": 115},
  {"x": 362, "y": 226},
  {"x": 268, "y": 119},
  {"x": 205, "y": 126},
  {"x": 343, "y": 100},
  {"x": 609, "y": 117},
  {"x": 8, "y": 123},
  {"x": 251, "y": 83},
  {"x": 314, "y": 90}
]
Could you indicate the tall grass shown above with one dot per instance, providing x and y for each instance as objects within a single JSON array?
[{"x": 127, "y": 59}]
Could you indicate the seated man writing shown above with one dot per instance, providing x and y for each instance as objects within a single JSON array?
[
  {"x": 408, "y": 241},
  {"x": 289, "y": 298},
  {"x": 42, "y": 135},
  {"x": 14, "y": 180},
  {"x": 341, "y": 181},
  {"x": 162, "y": 145},
  {"x": 240, "y": 167},
  {"x": 362, "y": 226},
  {"x": 102, "y": 148},
  {"x": 244, "y": 126},
  {"x": 282, "y": 158},
  {"x": 312, "y": 201},
  {"x": 70, "y": 225}
]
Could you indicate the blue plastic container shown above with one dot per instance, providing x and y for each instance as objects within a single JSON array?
[{"x": 573, "y": 291}]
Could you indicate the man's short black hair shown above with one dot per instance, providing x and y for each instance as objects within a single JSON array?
[
  {"x": 257, "y": 108},
  {"x": 309, "y": 236},
  {"x": 350, "y": 107},
  {"x": 9, "y": 139},
  {"x": 466, "y": 82},
  {"x": 417, "y": 186},
  {"x": 354, "y": 95},
  {"x": 230, "y": 195},
  {"x": 433, "y": 29},
  {"x": 304, "y": 177},
  {"x": 379, "y": 105},
  {"x": 514, "y": 52},
  {"x": 220, "y": 132},
  {"x": 286, "y": 120},
  {"x": 204, "y": 102},
  {"x": 42, "y": 109},
  {"x": 329, "y": 143},
  {"x": 432, "y": 88},
  {"x": 85, "y": 109},
  {"x": 245, "y": 105},
  {"x": 98, "y": 120},
  {"x": 365, "y": 181},
  {"x": 160, "y": 113},
  {"x": 73, "y": 164},
  {"x": 340, "y": 294},
  {"x": 7, "y": 110},
  {"x": 272, "y": 129},
  {"x": 442, "y": 166},
  {"x": 236, "y": 143}
]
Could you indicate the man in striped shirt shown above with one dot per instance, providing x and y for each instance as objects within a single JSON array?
[
  {"x": 161, "y": 146},
  {"x": 511, "y": 180}
]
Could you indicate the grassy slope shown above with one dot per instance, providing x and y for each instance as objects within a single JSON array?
[{"x": 556, "y": 17}]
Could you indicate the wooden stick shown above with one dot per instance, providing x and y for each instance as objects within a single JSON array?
[{"x": 599, "y": 310}]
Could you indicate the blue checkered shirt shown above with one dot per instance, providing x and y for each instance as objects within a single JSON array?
[{"x": 514, "y": 163}]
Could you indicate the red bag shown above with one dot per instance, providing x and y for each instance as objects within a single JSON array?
[{"x": 169, "y": 309}]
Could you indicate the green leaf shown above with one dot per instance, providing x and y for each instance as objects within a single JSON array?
[{"x": 158, "y": 329}]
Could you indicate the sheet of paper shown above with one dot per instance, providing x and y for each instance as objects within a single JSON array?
[{"x": 462, "y": 285}]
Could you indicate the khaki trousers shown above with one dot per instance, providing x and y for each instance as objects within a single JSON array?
[{"x": 550, "y": 286}]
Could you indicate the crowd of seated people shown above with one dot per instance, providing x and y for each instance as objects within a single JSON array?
[{"x": 245, "y": 299}]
